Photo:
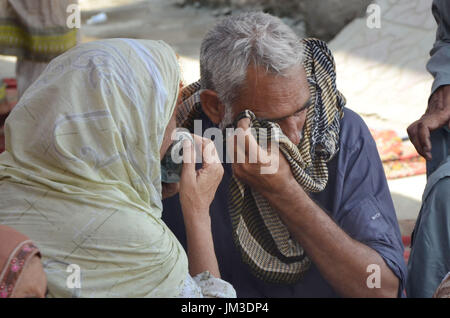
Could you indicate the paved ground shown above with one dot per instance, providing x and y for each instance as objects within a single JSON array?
[
  {"x": 381, "y": 71},
  {"x": 183, "y": 28},
  {"x": 149, "y": 19}
]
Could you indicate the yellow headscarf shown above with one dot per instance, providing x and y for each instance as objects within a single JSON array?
[{"x": 81, "y": 171}]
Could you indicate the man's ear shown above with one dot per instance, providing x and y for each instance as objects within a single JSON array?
[{"x": 212, "y": 106}]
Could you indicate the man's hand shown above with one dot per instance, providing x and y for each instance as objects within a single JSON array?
[
  {"x": 436, "y": 116},
  {"x": 341, "y": 260},
  {"x": 264, "y": 171}
]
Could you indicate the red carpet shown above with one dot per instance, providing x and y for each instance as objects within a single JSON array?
[{"x": 407, "y": 244}]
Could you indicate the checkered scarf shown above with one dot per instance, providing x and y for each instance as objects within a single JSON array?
[{"x": 264, "y": 241}]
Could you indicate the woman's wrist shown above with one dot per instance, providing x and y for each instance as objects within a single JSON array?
[{"x": 196, "y": 216}]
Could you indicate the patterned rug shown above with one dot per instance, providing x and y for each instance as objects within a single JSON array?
[{"x": 399, "y": 157}]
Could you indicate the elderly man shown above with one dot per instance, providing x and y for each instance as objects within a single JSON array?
[{"x": 334, "y": 230}]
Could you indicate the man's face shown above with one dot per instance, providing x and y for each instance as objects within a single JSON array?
[{"x": 283, "y": 100}]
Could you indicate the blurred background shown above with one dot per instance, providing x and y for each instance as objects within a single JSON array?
[{"x": 380, "y": 70}]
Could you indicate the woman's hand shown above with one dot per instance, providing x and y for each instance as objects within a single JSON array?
[{"x": 197, "y": 188}]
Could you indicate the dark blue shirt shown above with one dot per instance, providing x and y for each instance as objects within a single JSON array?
[{"x": 356, "y": 197}]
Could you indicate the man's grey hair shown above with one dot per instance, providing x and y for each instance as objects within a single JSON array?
[{"x": 235, "y": 43}]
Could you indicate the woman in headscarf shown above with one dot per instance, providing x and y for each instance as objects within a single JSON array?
[
  {"x": 21, "y": 271},
  {"x": 81, "y": 176}
]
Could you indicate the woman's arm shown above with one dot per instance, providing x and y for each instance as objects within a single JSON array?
[
  {"x": 197, "y": 190},
  {"x": 200, "y": 244}
]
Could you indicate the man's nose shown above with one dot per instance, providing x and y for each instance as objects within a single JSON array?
[{"x": 291, "y": 130}]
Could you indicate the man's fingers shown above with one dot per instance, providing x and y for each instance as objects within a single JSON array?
[
  {"x": 244, "y": 123},
  {"x": 424, "y": 128},
  {"x": 247, "y": 146},
  {"x": 423, "y": 133},
  {"x": 247, "y": 149},
  {"x": 240, "y": 140},
  {"x": 254, "y": 152},
  {"x": 414, "y": 138},
  {"x": 230, "y": 148}
]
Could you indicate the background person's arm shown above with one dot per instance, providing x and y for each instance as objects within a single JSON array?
[
  {"x": 437, "y": 114},
  {"x": 439, "y": 62}
]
